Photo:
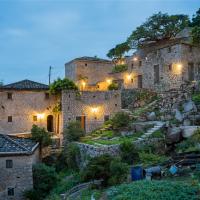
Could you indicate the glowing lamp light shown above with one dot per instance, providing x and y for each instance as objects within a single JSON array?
[
  {"x": 179, "y": 66},
  {"x": 128, "y": 76},
  {"x": 83, "y": 83},
  {"x": 94, "y": 110},
  {"x": 40, "y": 116},
  {"x": 135, "y": 59},
  {"x": 109, "y": 81}
]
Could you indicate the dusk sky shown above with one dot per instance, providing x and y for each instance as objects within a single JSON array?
[{"x": 37, "y": 34}]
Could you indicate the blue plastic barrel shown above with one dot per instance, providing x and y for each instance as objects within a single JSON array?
[{"x": 136, "y": 173}]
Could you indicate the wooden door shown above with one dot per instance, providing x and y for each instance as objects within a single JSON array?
[{"x": 140, "y": 81}]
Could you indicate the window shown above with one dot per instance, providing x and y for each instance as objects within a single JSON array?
[
  {"x": 9, "y": 164},
  {"x": 85, "y": 64},
  {"x": 106, "y": 96},
  {"x": 106, "y": 118},
  {"x": 9, "y": 95},
  {"x": 94, "y": 96},
  {"x": 69, "y": 96},
  {"x": 132, "y": 80},
  {"x": 35, "y": 118},
  {"x": 140, "y": 63},
  {"x": 115, "y": 105},
  {"x": 68, "y": 108},
  {"x": 169, "y": 49},
  {"x": 170, "y": 67},
  {"x": 9, "y": 118},
  {"x": 132, "y": 65},
  {"x": 47, "y": 95},
  {"x": 11, "y": 192}
]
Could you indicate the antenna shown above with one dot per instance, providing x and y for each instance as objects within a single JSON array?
[{"x": 50, "y": 68}]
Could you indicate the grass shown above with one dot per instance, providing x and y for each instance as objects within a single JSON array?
[
  {"x": 157, "y": 134},
  {"x": 86, "y": 195},
  {"x": 112, "y": 138}
]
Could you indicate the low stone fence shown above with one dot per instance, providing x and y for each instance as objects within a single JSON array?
[{"x": 113, "y": 150}]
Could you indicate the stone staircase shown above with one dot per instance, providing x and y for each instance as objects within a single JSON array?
[{"x": 157, "y": 126}]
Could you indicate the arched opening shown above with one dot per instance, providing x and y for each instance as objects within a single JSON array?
[{"x": 50, "y": 123}]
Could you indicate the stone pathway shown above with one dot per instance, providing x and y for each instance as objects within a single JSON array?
[{"x": 157, "y": 126}]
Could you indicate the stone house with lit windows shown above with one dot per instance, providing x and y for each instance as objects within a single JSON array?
[
  {"x": 17, "y": 156},
  {"x": 25, "y": 103},
  {"x": 158, "y": 66}
]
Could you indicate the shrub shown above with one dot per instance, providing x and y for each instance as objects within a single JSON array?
[
  {"x": 113, "y": 86},
  {"x": 190, "y": 144},
  {"x": 119, "y": 68},
  {"x": 40, "y": 135},
  {"x": 153, "y": 190},
  {"x": 73, "y": 131},
  {"x": 62, "y": 84},
  {"x": 111, "y": 170},
  {"x": 118, "y": 172},
  {"x": 44, "y": 179},
  {"x": 196, "y": 98},
  {"x": 120, "y": 120},
  {"x": 129, "y": 153}
]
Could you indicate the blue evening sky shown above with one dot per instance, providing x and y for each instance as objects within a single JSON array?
[{"x": 35, "y": 34}]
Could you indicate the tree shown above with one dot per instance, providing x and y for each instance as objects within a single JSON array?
[
  {"x": 158, "y": 27},
  {"x": 129, "y": 153},
  {"x": 196, "y": 19},
  {"x": 73, "y": 131},
  {"x": 113, "y": 86},
  {"x": 1, "y": 83},
  {"x": 120, "y": 120},
  {"x": 62, "y": 84},
  {"x": 44, "y": 179},
  {"x": 40, "y": 135},
  {"x": 118, "y": 51},
  {"x": 196, "y": 35}
]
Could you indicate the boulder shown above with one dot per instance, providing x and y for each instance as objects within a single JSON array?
[
  {"x": 189, "y": 106},
  {"x": 173, "y": 135},
  {"x": 151, "y": 116},
  {"x": 188, "y": 131},
  {"x": 140, "y": 127},
  {"x": 178, "y": 115}
]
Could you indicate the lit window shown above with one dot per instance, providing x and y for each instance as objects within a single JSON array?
[
  {"x": 9, "y": 118},
  {"x": 35, "y": 118},
  {"x": 11, "y": 192},
  {"x": 9, "y": 164}
]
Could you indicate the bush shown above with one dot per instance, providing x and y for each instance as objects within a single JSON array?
[
  {"x": 119, "y": 68},
  {"x": 120, "y": 120},
  {"x": 40, "y": 135},
  {"x": 190, "y": 144},
  {"x": 129, "y": 153},
  {"x": 73, "y": 132},
  {"x": 196, "y": 98},
  {"x": 44, "y": 180},
  {"x": 153, "y": 190},
  {"x": 113, "y": 86},
  {"x": 112, "y": 171},
  {"x": 62, "y": 84}
]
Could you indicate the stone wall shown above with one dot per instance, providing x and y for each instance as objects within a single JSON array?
[
  {"x": 23, "y": 106},
  {"x": 93, "y": 105},
  {"x": 113, "y": 150},
  {"x": 19, "y": 177}
]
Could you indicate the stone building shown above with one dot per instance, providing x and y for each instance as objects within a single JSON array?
[
  {"x": 25, "y": 103},
  {"x": 92, "y": 109},
  {"x": 17, "y": 156},
  {"x": 159, "y": 66}
]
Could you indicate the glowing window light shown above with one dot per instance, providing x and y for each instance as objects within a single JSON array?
[
  {"x": 109, "y": 81},
  {"x": 94, "y": 110},
  {"x": 128, "y": 77}
]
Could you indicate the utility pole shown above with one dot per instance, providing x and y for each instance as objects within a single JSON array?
[{"x": 50, "y": 68}]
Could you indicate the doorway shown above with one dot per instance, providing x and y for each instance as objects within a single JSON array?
[
  {"x": 82, "y": 120},
  {"x": 50, "y": 123},
  {"x": 191, "y": 71}
]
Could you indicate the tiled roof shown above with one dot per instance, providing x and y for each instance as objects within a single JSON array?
[
  {"x": 26, "y": 85},
  {"x": 10, "y": 145},
  {"x": 87, "y": 58}
]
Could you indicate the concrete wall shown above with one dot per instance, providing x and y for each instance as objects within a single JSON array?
[
  {"x": 93, "y": 105},
  {"x": 22, "y": 107},
  {"x": 19, "y": 177}
]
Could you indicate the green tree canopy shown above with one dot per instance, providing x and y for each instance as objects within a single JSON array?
[
  {"x": 62, "y": 84},
  {"x": 157, "y": 27},
  {"x": 118, "y": 51},
  {"x": 196, "y": 19}
]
